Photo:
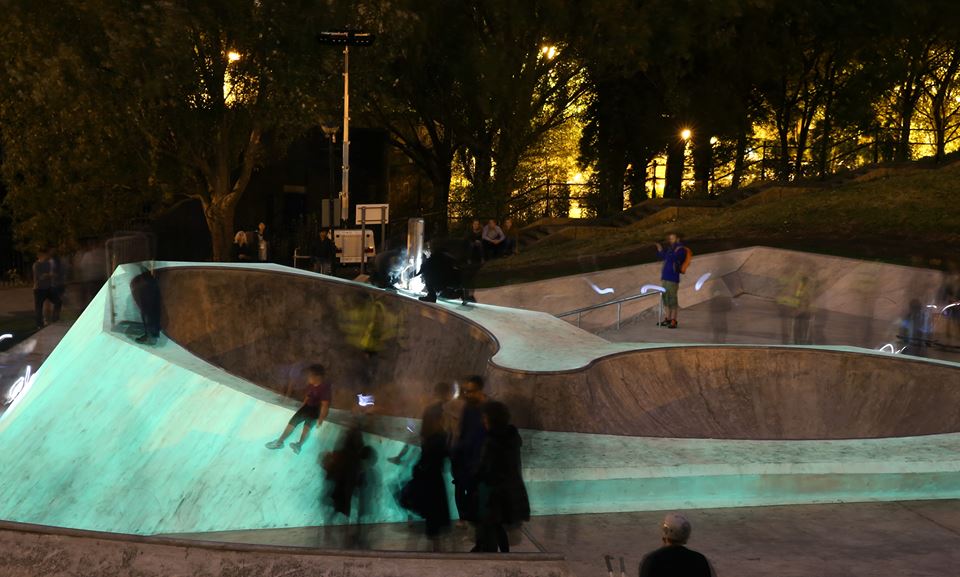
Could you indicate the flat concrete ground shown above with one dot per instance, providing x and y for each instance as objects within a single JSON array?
[
  {"x": 920, "y": 538},
  {"x": 757, "y": 321}
]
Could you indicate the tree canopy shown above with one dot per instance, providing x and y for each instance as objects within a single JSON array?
[{"x": 114, "y": 109}]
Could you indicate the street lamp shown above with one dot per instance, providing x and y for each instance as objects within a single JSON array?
[
  {"x": 346, "y": 38},
  {"x": 233, "y": 56},
  {"x": 685, "y": 134}
]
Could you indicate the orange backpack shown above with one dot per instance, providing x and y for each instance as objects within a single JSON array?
[{"x": 686, "y": 260}]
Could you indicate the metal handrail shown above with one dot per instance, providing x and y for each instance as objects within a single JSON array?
[{"x": 619, "y": 302}]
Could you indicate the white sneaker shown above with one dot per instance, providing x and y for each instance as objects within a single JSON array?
[
  {"x": 295, "y": 447},
  {"x": 276, "y": 444}
]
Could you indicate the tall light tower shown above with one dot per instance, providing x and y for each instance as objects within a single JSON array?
[{"x": 346, "y": 38}]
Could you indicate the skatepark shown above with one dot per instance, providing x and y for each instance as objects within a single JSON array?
[{"x": 163, "y": 443}]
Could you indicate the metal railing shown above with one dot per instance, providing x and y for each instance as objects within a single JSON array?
[{"x": 619, "y": 302}]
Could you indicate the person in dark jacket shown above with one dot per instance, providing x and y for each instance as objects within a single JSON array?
[
  {"x": 146, "y": 294},
  {"x": 466, "y": 447},
  {"x": 43, "y": 283},
  {"x": 324, "y": 253},
  {"x": 674, "y": 558},
  {"x": 440, "y": 273},
  {"x": 474, "y": 243},
  {"x": 502, "y": 494}
]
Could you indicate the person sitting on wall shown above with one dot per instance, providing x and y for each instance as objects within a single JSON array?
[
  {"x": 316, "y": 405},
  {"x": 511, "y": 238},
  {"x": 493, "y": 239},
  {"x": 475, "y": 243}
]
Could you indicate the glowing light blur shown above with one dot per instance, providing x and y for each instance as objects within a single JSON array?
[
  {"x": 5, "y": 337},
  {"x": 889, "y": 348},
  {"x": 703, "y": 278},
  {"x": 598, "y": 290},
  {"x": 19, "y": 390},
  {"x": 647, "y": 288},
  {"x": 365, "y": 400},
  {"x": 948, "y": 307}
]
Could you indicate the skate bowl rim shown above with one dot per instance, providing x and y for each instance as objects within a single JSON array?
[{"x": 597, "y": 352}]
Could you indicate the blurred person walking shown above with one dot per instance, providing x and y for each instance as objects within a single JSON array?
[
  {"x": 502, "y": 495},
  {"x": 426, "y": 493},
  {"x": 348, "y": 474},
  {"x": 92, "y": 268},
  {"x": 466, "y": 447},
  {"x": 59, "y": 272},
  {"x": 673, "y": 559},
  {"x": 43, "y": 283}
]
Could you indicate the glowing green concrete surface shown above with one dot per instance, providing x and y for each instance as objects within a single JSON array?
[{"x": 119, "y": 437}]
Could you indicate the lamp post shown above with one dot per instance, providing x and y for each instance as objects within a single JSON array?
[
  {"x": 346, "y": 38},
  {"x": 331, "y": 133}
]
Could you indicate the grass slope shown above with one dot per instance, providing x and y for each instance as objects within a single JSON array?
[{"x": 911, "y": 216}]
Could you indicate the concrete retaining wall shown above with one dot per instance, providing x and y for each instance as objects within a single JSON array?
[{"x": 36, "y": 551}]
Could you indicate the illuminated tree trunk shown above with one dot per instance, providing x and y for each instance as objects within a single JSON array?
[
  {"x": 942, "y": 85},
  {"x": 740, "y": 160},
  {"x": 441, "y": 200},
  {"x": 702, "y": 162},
  {"x": 220, "y": 217}
]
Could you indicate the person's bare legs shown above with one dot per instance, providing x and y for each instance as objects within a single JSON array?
[
  {"x": 307, "y": 425},
  {"x": 276, "y": 444}
]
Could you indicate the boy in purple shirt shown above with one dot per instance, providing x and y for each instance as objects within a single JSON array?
[{"x": 316, "y": 405}]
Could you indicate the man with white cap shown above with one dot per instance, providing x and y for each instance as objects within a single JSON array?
[{"x": 674, "y": 559}]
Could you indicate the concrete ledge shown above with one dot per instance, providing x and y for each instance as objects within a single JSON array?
[{"x": 35, "y": 550}]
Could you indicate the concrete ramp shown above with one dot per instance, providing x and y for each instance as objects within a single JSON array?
[
  {"x": 120, "y": 437},
  {"x": 115, "y": 436}
]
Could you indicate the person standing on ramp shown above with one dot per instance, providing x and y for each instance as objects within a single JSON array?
[{"x": 676, "y": 258}]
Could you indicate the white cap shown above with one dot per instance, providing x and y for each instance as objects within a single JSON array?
[{"x": 676, "y": 528}]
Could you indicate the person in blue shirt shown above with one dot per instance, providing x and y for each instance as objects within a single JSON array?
[{"x": 673, "y": 257}]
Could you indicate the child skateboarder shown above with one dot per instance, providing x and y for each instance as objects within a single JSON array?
[{"x": 315, "y": 407}]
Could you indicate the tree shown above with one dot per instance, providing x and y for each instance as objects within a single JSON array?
[
  {"x": 413, "y": 92},
  {"x": 942, "y": 95},
  {"x": 207, "y": 90},
  {"x": 71, "y": 163}
]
